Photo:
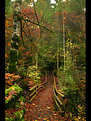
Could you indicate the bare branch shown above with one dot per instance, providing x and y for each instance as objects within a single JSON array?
[{"x": 38, "y": 25}]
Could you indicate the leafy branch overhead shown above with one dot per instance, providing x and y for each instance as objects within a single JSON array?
[{"x": 25, "y": 19}]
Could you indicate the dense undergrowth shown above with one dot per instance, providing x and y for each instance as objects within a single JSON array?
[
  {"x": 17, "y": 93},
  {"x": 74, "y": 87}
]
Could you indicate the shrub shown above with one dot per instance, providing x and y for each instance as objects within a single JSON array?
[
  {"x": 10, "y": 79},
  {"x": 16, "y": 116},
  {"x": 72, "y": 96},
  {"x": 33, "y": 73},
  {"x": 19, "y": 115},
  {"x": 24, "y": 84},
  {"x": 22, "y": 72},
  {"x": 11, "y": 95},
  {"x": 69, "y": 81},
  {"x": 12, "y": 68}
]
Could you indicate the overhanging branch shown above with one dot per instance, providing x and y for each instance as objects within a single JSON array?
[{"x": 38, "y": 25}]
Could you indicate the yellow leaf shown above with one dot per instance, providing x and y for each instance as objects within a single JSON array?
[
  {"x": 54, "y": 114},
  {"x": 6, "y": 55},
  {"x": 31, "y": 26},
  {"x": 39, "y": 117},
  {"x": 33, "y": 104},
  {"x": 44, "y": 118},
  {"x": 48, "y": 107},
  {"x": 79, "y": 117},
  {"x": 12, "y": 88},
  {"x": 6, "y": 98}
]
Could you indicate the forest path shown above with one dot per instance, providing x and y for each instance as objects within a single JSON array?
[{"x": 42, "y": 107}]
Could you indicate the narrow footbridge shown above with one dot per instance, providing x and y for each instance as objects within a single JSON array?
[{"x": 46, "y": 102}]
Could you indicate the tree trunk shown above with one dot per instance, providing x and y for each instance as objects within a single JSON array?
[
  {"x": 58, "y": 59},
  {"x": 36, "y": 58},
  {"x": 15, "y": 39}
]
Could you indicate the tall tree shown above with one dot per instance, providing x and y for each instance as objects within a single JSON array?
[{"x": 15, "y": 37}]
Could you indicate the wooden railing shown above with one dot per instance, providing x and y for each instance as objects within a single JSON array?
[
  {"x": 59, "y": 97},
  {"x": 36, "y": 89}
]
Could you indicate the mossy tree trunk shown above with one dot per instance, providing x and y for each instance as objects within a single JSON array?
[{"x": 15, "y": 38}]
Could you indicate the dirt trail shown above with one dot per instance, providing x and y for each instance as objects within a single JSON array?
[{"x": 42, "y": 107}]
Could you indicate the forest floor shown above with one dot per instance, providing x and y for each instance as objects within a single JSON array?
[{"x": 42, "y": 108}]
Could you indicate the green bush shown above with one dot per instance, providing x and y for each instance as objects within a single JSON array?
[
  {"x": 13, "y": 56},
  {"x": 14, "y": 87},
  {"x": 22, "y": 72},
  {"x": 9, "y": 119},
  {"x": 33, "y": 73},
  {"x": 12, "y": 94},
  {"x": 24, "y": 84},
  {"x": 12, "y": 68},
  {"x": 19, "y": 116},
  {"x": 69, "y": 81},
  {"x": 72, "y": 96}
]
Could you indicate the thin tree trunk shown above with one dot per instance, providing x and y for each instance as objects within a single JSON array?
[
  {"x": 36, "y": 58},
  {"x": 63, "y": 39},
  {"x": 58, "y": 59}
]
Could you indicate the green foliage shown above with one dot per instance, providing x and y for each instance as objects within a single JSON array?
[
  {"x": 66, "y": 75},
  {"x": 8, "y": 7},
  {"x": 12, "y": 68},
  {"x": 13, "y": 61},
  {"x": 14, "y": 87},
  {"x": 72, "y": 96},
  {"x": 9, "y": 119},
  {"x": 69, "y": 81},
  {"x": 47, "y": 64},
  {"x": 22, "y": 71},
  {"x": 14, "y": 45},
  {"x": 12, "y": 92},
  {"x": 77, "y": 5},
  {"x": 24, "y": 84},
  {"x": 19, "y": 116},
  {"x": 33, "y": 73},
  {"x": 81, "y": 58},
  {"x": 13, "y": 55}
]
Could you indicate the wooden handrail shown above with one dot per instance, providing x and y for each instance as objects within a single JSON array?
[
  {"x": 58, "y": 97},
  {"x": 36, "y": 89}
]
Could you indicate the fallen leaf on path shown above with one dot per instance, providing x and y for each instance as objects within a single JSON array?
[
  {"x": 39, "y": 117},
  {"x": 48, "y": 107},
  {"x": 44, "y": 118},
  {"x": 33, "y": 104},
  {"x": 54, "y": 114}
]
